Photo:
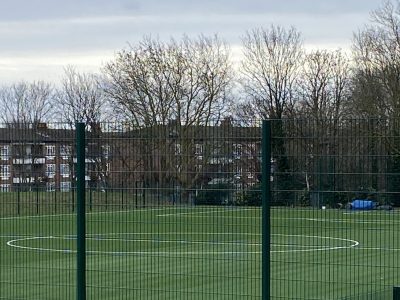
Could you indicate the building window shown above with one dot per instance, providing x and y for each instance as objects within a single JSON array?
[
  {"x": 106, "y": 151},
  {"x": 28, "y": 150},
  {"x": 198, "y": 168},
  {"x": 237, "y": 150},
  {"x": 4, "y": 152},
  {"x": 64, "y": 170},
  {"x": 216, "y": 151},
  {"x": 65, "y": 186},
  {"x": 65, "y": 150},
  {"x": 50, "y": 186},
  {"x": 50, "y": 170},
  {"x": 199, "y": 149},
  {"x": 4, "y": 188},
  {"x": 238, "y": 171},
  {"x": 50, "y": 150},
  {"x": 5, "y": 171},
  {"x": 107, "y": 167},
  {"x": 177, "y": 149}
]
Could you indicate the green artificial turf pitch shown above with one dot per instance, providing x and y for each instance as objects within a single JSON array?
[{"x": 202, "y": 253}]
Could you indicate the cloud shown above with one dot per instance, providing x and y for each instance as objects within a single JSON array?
[
  {"x": 23, "y": 10},
  {"x": 53, "y": 33},
  {"x": 114, "y": 32},
  {"x": 53, "y": 9},
  {"x": 48, "y": 66}
]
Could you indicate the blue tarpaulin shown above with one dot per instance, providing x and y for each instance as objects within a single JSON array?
[{"x": 362, "y": 204}]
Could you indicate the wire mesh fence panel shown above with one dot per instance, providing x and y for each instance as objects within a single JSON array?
[
  {"x": 334, "y": 218},
  {"x": 175, "y": 220},
  {"x": 37, "y": 222},
  {"x": 173, "y": 211},
  {"x": 176, "y": 217}
]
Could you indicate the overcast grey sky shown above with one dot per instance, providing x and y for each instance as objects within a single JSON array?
[{"x": 40, "y": 37}]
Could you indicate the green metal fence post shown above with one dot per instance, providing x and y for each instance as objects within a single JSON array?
[
  {"x": 396, "y": 293},
  {"x": 80, "y": 195},
  {"x": 266, "y": 196},
  {"x": 18, "y": 200}
]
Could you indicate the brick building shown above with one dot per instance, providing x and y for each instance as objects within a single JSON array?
[{"x": 42, "y": 157}]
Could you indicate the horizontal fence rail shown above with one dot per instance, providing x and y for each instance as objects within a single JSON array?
[
  {"x": 202, "y": 211},
  {"x": 172, "y": 212},
  {"x": 334, "y": 218}
]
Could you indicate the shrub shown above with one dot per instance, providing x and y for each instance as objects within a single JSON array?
[
  {"x": 250, "y": 197},
  {"x": 214, "y": 194}
]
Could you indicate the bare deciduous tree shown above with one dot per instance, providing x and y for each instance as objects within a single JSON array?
[
  {"x": 270, "y": 68},
  {"x": 26, "y": 103},
  {"x": 377, "y": 82},
  {"x": 376, "y": 91},
  {"x": 269, "y": 73},
  {"x": 185, "y": 81},
  {"x": 24, "y": 106},
  {"x": 81, "y": 98},
  {"x": 324, "y": 85},
  {"x": 377, "y": 56},
  {"x": 324, "y": 91}
]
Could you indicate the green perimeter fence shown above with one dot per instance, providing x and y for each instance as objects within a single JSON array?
[{"x": 175, "y": 211}]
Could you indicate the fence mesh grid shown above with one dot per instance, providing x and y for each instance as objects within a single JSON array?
[
  {"x": 37, "y": 221},
  {"x": 334, "y": 232},
  {"x": 173, "y": 212}
]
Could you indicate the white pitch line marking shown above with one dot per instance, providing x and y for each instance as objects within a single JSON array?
[
  {"x": 354, "y": 244},
  {"x": 378, "y": 221},
  {"x": 12, "y": 243},
  {"x": 208, "y": 212},
  {"x": 378, "y": 248},
  {"x": 88, "y": 213}
]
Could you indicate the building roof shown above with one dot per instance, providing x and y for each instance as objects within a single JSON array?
[{"x": 56, "y": 133}]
